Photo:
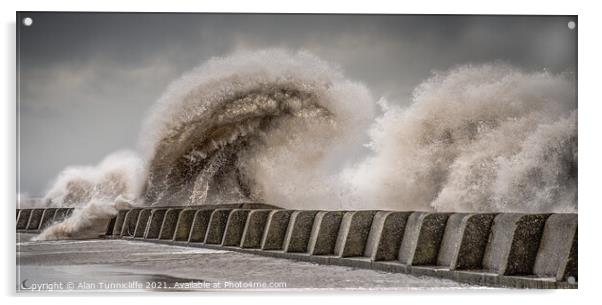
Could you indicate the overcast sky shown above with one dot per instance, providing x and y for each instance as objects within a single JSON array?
[{"x": 87, "y": 80}]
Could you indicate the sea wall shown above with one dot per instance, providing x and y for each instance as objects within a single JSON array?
[{"x": 492, "y": 249}]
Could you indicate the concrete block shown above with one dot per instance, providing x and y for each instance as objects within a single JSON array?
[
  {"x": 513, "y": 243},
  {"x": 110, "y": 226},
  {"x": 235, "y": 227},
  {"x": 464, "y": 241},
  {"x": 254, "y": 228},
  {"x": 68, "y": 212},
  {"x": 324, "y": 232},
  {"x": 119, "y": 220},
  {"x": 61, "y": 214},
  {"x": 557, "y": 254},
  {"x": 184, "y": 224},
  {"x": 199, "y": 226},
  {"x": 23, "y": 219},
  {"x": 570, "y": 269},
  {"x": 142, "y": 222},
  {"x": 217, "y": 226},
  {"x": 168, "y": 226},
  {"x": 34, "y": 219},
  {"x": 452, "y": 237},
  {"x": 298, "y": 231},
  {"x": 47, "y": 218},
  {"x": 154, "y": 223},
  {"x": 275, "y": 230},
  {"x": 385, "y": 235},
  {"x": 353, "y": 233},
  {"x": 130, "y": 221},
  {"x": 422, "y": 238}
]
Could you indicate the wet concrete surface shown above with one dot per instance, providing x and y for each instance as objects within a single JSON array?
[{"x": 126, "y": 265}]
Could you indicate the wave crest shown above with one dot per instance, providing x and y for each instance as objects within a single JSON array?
[{"x": 219, "y": 134}]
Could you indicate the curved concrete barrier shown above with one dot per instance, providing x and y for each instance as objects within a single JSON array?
[
  {"x": 298, "y": 231},
  {"x": 47, "y": 218},
  {"x": 154, "y": 223},
  {"x": 129, "y": 222},
  {"x": 110, "y": 227},
  {"x": 62, "y": 214},
  {"x": 142, "y": 222},
  {"x": 184, "y": 224},
  {"x": 168, "y": 225},
  {"x": 422, "y": 238},
  {"x": 275, "y": 230},
  {"x": 217, "y": 226},
  {"x": 200, "y": 223},
  {"x": 324, "y": 232},
  {"x": 513, "y": 243},
  {"x": 34, "y": 219},
  {"x": 119, "y": 220},
  {"x": 254, "y": 228},
  {"x": 557, "y": 254},
  {"x": 385, "y": 235},
  {"x": 23, "y": 219},
  {"x": 464, "y": 241},
  {"x": 506, "y": 249},
  {"x": 353, "y": 233},
  {"x": 235, "y": 226}
]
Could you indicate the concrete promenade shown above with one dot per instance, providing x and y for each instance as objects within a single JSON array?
[{"x": 495, "y": 249}]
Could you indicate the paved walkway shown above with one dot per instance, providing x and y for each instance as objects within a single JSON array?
[{"x": 121, "y": 265}]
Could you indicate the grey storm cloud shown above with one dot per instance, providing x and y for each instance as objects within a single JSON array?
[{"x": 86, "y": 80}]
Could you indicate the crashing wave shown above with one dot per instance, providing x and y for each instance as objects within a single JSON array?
[{"x": 289, "y": 130}]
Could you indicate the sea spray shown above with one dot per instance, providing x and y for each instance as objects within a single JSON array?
[
  {"x": 88, "y": 221},
  {"x": 96, "y": 193},
  {"x": 486, "y": 138},
  {"x": 119, "y": 174},
  {"x": 288, "y": 129}
]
